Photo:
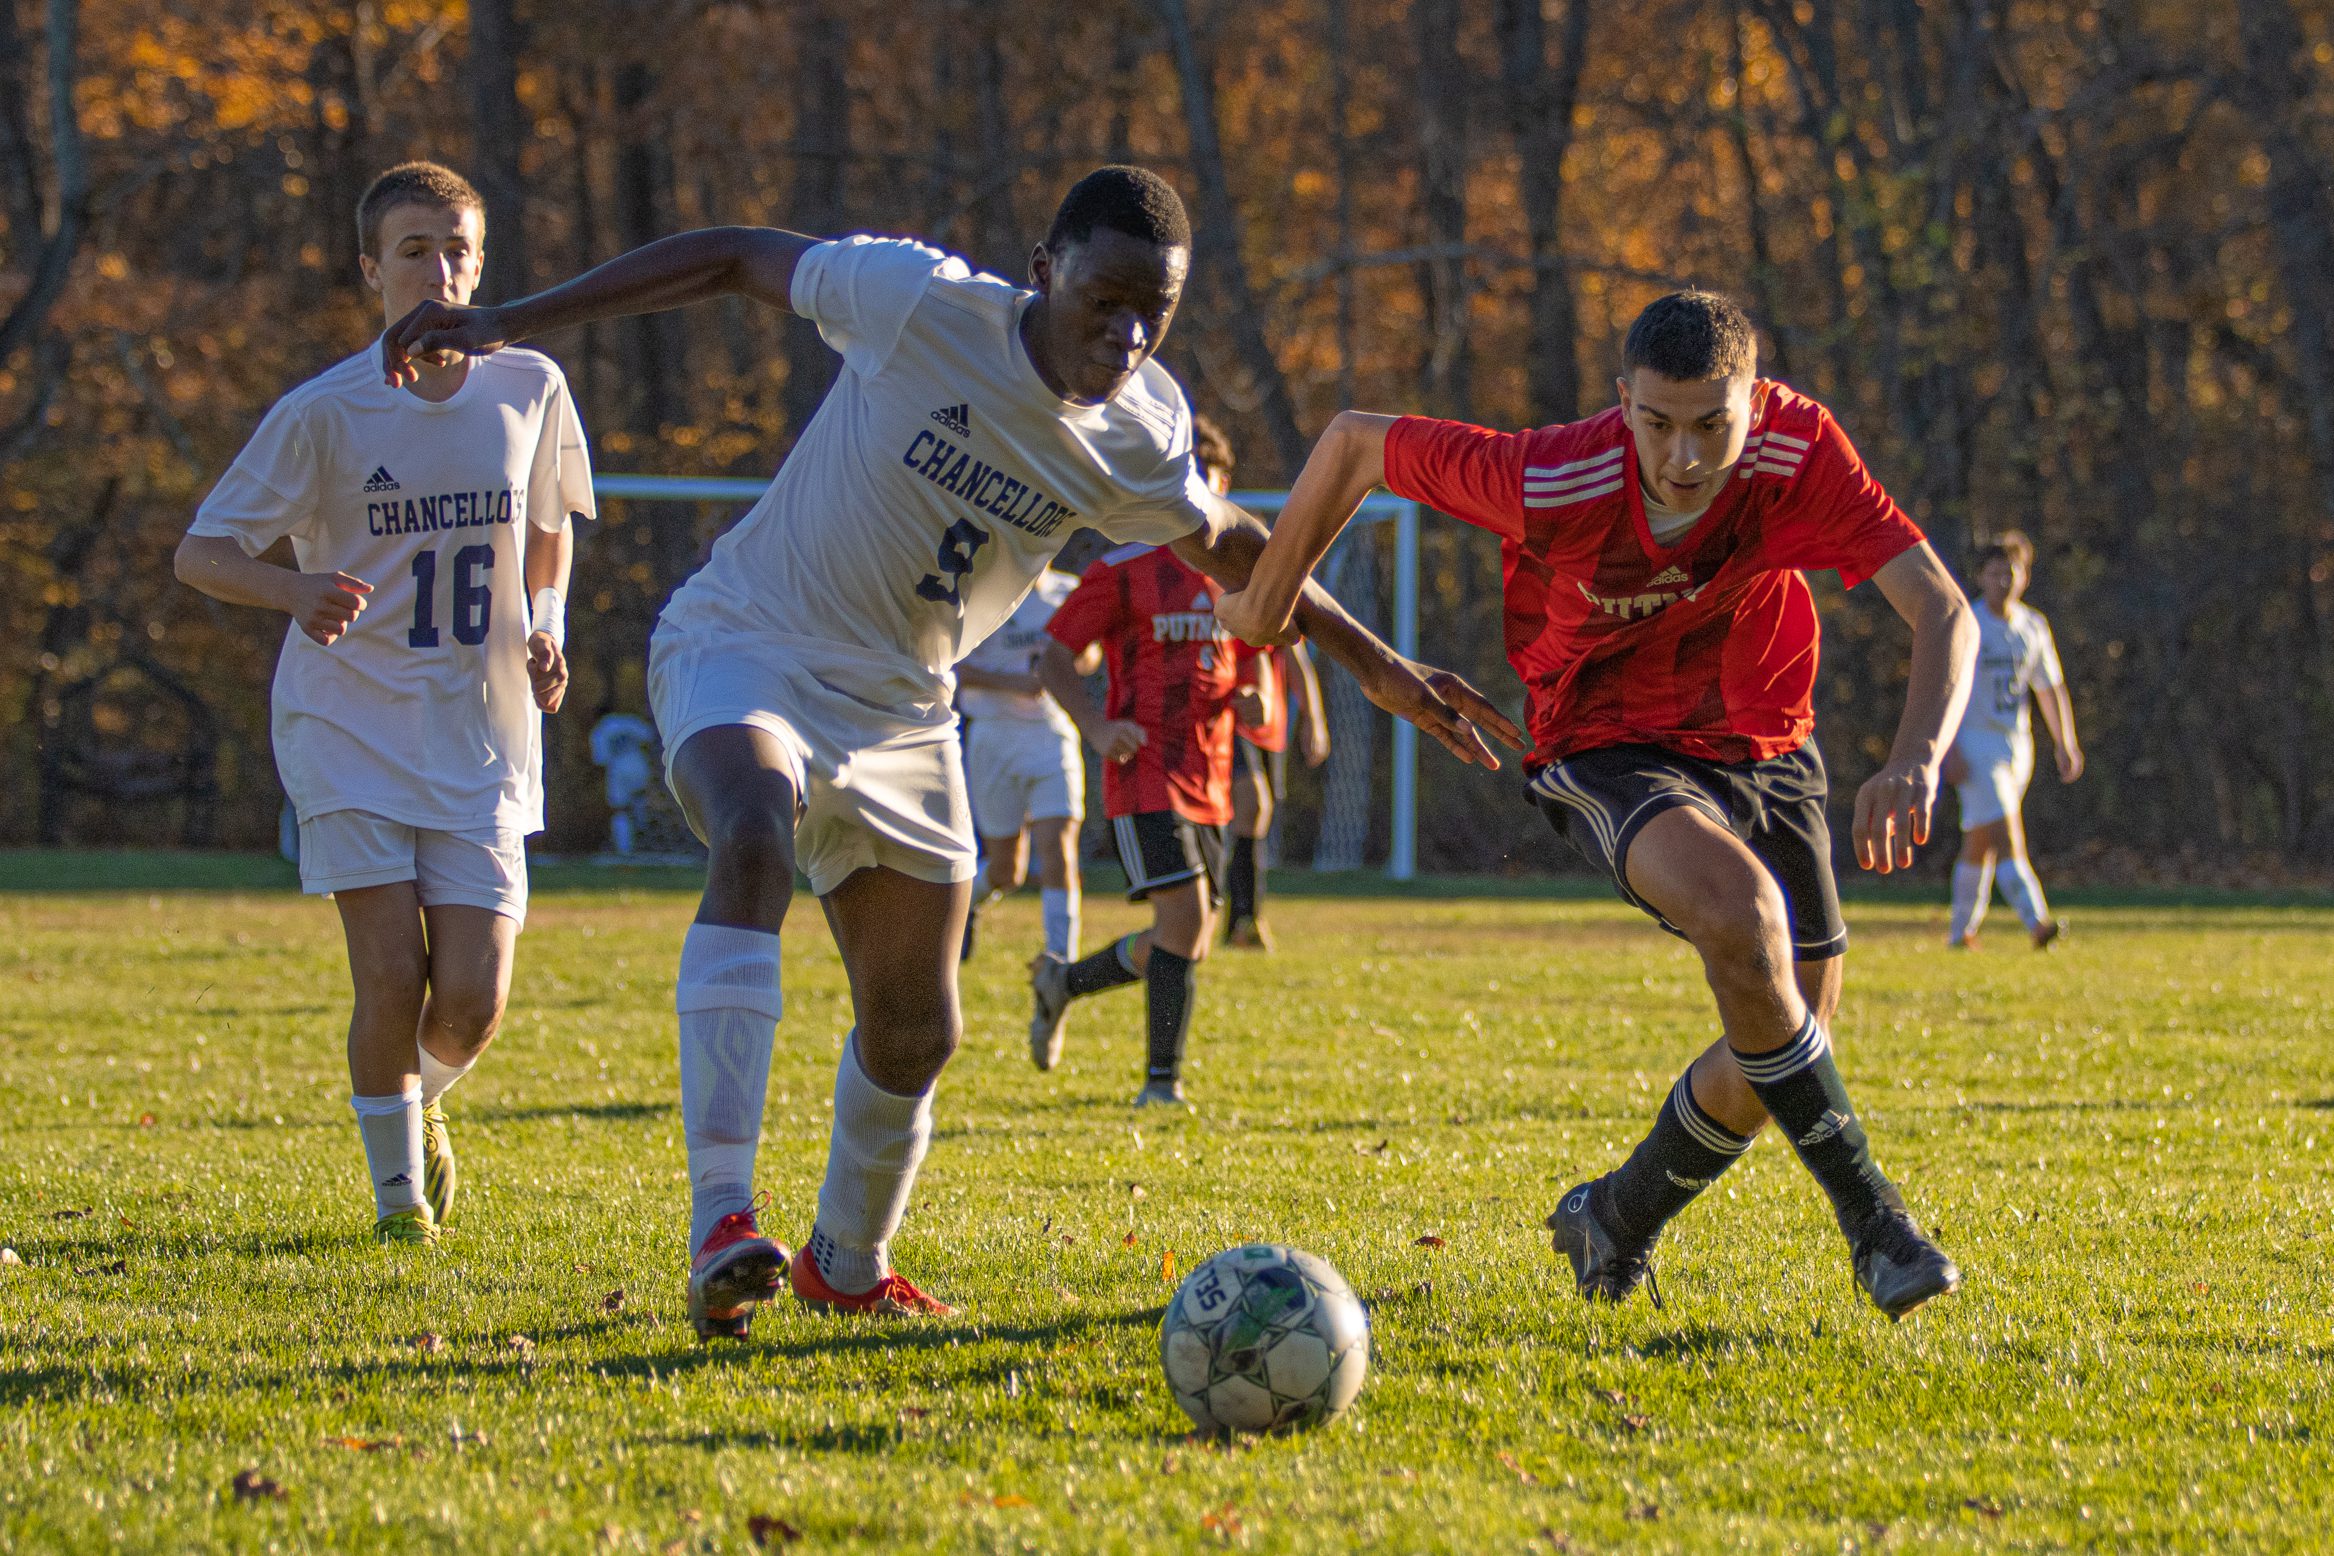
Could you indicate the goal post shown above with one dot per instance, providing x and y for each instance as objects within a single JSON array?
[{"x": 1350, "y": 570}]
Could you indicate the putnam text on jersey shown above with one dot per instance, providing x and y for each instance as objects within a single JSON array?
[
  {"x": 985, "y": 486},
  {"x": 443, "y": 511}
]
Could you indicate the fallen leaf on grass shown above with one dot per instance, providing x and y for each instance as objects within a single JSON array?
[
  {"x": 145, "y": 1121},
  {"x": 1428, "y": 1241},
  {"x": 674, "y": 1546},
  {"x": 1380, "y": 1149},
  {"x": 764, "y": 1529},
  {"x": 1556, "y": 1542},
  {"x": 1167, "y": 1266},
  {"x": 690, "y": 1515},
  {"x": 1636, "y": 1423},
  {"x": 613, "y": 1302},
  {"x": 1984, "y": 1507},
  {"x": 429, "y": 1343},
  {"x": 1223, "y": 1523},
  {"x": 474, "y": 1439},
  {"x": 1068, "y": 1238},
  {"x": 364, "y": 1444},
  {"x": 1647, "y": 1511},
  {"x": 1011, "y": 1499},
  {"x": 1127, "y": 1241},
  {"x": 252, "y": 1486},
  {"x": 1135, "y": 1191},
  {"x": 1067, "y": 1295},
  {"x": 1613, "y": 1397},
  {"x": 1170, "y": 1464},
  {"x": 1522, "y": 1474},
  {"x": 913, "y": 1412}
]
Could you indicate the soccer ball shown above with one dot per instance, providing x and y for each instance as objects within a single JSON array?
[{"x": 1264, "y": 1339}]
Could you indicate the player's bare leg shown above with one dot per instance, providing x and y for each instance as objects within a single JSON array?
[
  {"x": 1252, "y": 808},
  {"x": 1704, "y": 880},
  {"x": 1004, "y": 866},
  {"x": 737, "y": 787},
  {"x": 388, "y": 961},
  {"x": 1973, "y": 880},
  {"x": 2022, "y": 888},
  {"x": 470, "y": 954},
  {"x": 1163, "y": 958},
  {"x": 898, "y": 936}
]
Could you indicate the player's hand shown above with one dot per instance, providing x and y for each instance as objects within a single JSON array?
[
  {"x": 2070, "y": 763},
  {"x": 1313, "y": 741},
  {"x": 324, "y": 604},
  {"x": 1443, "y": 705},
  {"x": 1117, "y": 740},
  {"x": 1892, "y": 815},
  {"x": 436, "y": 332},
  {"x": 1244, "y": 615},
  {"x": 1955, "y": 768},
  {"x": 547, "y": 670},
  {"x": 1248, "y": 707}
]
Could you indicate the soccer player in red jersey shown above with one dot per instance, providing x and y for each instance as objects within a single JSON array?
[
  {"x": 1178, "y": 683},
  {"x": 1667, "y": 642},
  {"x": 1286, "y": 682}
]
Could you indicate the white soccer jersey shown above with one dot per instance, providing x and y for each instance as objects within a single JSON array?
[
  {"x": 422, "y": 712},
  {"x": 1012, "y": 650},
  {"x": 938, "y": 478},
  {"x": 2013, "y": 657}
]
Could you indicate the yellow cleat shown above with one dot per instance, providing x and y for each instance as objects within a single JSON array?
[
  {"x": 439, "y": 1175},
  {"x": 413, "y": 1224}
]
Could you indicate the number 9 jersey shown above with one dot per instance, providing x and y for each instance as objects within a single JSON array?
[{"x": 422, "y": 712}]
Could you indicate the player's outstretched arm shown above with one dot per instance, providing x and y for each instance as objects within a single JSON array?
[
  {"x": 1230, "y": 547},
  {"x": 1114, "y": 740},
  {"x": 2058, "y": 714},
  {"x": 755, "y": 262},
  {"x": 322, "y": 603},
  {"x": 1345, "y": 465},
  {"x": 1894, "y": 804}
]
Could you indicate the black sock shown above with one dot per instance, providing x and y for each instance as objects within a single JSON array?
[
  {"x": 1801, "y": 1087},
  {"x": 1683, "y": 1155},
  {"x": 1109, "y": 968},
  {"x": 1240, "y": 881},
  {"x": 1168, "y": 979}
]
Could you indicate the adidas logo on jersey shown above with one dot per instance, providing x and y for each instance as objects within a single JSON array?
[
  {"x": 1201, "y": 602},
  {"x": 1669, "y": 575},
  {"x": 381, "y": 480},
  {"x": 956, "y": 418}
]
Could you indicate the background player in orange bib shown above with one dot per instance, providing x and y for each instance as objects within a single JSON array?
[{"x": 1657, "y": 617}]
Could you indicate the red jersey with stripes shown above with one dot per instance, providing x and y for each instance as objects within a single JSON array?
[
  {"x": 1706, "y": 647},
  {"x": 1173, "y": 671}
]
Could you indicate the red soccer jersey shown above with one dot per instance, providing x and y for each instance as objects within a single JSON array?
[
  {"x": 1172, "y": 670},
  {"x": 1707, "y": 647},
  {"x": 1275, "y": 679}
]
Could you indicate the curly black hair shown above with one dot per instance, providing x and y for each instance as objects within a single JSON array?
[
  {"x": 1132, "y": 200},
  {"x": 1692, "y": 337}
]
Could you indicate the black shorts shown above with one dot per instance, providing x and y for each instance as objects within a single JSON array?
[
  {"x": 1601, "y": 799},
  {"x": 1246, "y": 754},
  {"x": 1160, "y": 849}
]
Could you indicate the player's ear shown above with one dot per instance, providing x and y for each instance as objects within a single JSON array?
[
  {"x": 1621, "y": 387},
  {"x": 1041, "y": 270},
  {"x": 370, "y": 268}
]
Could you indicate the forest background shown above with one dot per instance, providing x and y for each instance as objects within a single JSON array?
[{"x": 2057, "y": 265}]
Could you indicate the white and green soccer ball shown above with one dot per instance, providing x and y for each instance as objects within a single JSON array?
[{"x": 1264, "y": 1339}]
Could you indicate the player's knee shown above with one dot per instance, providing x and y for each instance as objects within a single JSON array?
[
  {"x": 466, "y": 1018},
  {"x": 753, "y": 843},
  {"x": 907, "y": 1037},
  {"x": 1743, "y": 933}
]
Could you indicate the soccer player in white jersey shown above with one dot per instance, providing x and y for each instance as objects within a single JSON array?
[
  {"x": 430, "y": 540},
  {"x": 1022, "y": 764},
  {"x": 801, "y": 679},
  {"x": 1993, "y": 753}
]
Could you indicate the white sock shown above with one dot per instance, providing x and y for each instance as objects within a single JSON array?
[
  {"x": 1061, "y": 920},
  {"x": 437, "y": 1076},
  {"x": 391, "y": 1129},
  {"x": 2023, "y": 891},
  {"x": 728, "y": 999},
  {"x": 1973, "y": 888},
  {"x": 878, "y": 1141}
]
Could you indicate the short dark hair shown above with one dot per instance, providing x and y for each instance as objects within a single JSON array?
[
  {"x": 2012, "y": 546},
  {"x": 1211, "y": 448},
  {"x": 1691, "y": 337},
  {"x": 412, "y": 183},
  {"x": 1132, "y": 200}
]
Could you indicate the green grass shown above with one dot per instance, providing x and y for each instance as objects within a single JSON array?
[{"x": 2126, "y": 1144}]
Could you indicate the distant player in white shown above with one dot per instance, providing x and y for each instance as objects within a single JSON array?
[
  {"x": 1025, "y": 770},
  {"x": 1993, "y": 754},
  {"x": 621, "y": 743},
  {"x": 802, "y": 678},
  {"x": 430, "y": 543}
]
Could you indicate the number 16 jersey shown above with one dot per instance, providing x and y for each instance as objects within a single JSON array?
[
  {"x": 937, "y": 480},
  {"x": 422, "y": 711}
]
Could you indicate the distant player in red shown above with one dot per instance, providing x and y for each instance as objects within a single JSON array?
[
  {"x": 1290, "y": 695},
  {"x": 1178, "y": 683},
  {"x": 1667, "y": 642}
]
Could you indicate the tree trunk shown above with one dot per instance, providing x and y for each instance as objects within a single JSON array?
[
  {"x": 1540, "y": 103},
  {"x": 1219, "y": 243},
  {"x": 62, "y": 240},
  {"x": 1441, "y": 106},
  {"x": 500, "y": 125},
  {"x": 822, "y": 147}
]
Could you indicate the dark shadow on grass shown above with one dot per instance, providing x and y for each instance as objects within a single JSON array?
[
  {"x": 605, "y": 1111},
  {"x": 2320, "y": 1102},
  {"x": 1697, "y": 1341}
]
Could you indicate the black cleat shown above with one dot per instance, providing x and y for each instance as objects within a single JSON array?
[
  {"x": 1897, "y": 1266},
  {"x": 1606, "y": 1267},
  {"x": 972, "y": 924}
]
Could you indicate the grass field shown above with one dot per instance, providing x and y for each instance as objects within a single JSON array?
[{"x": 2127, "y": 1145}]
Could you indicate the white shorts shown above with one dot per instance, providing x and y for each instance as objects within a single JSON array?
[
  {"x": 343, "y": 850},
  {"x": 1022, "y": 771},
  {"x": 1995, "y": 786},
  {"x": 877, "y": 785}
]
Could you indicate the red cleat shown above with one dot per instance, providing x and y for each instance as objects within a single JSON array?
[
  {"x": 891, "y": 1296},
  {"x": 736, "y": 1268}
]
